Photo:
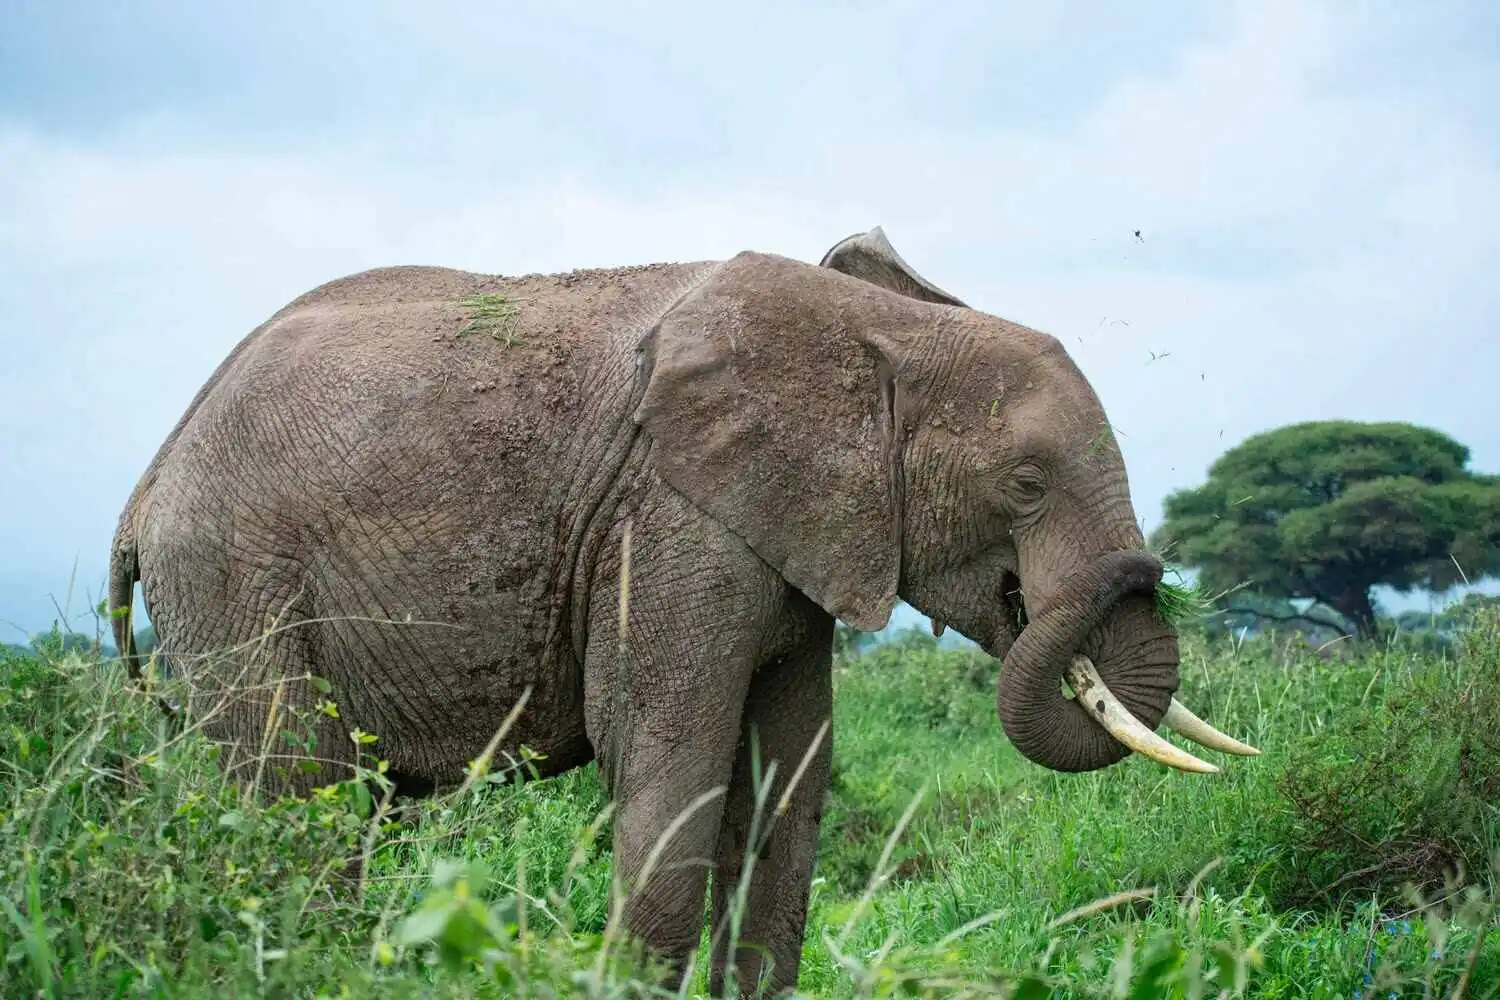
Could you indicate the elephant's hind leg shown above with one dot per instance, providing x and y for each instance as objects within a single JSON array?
[
  {"x": 258, "y": 696},
  {"x": 789, "y": 702}
]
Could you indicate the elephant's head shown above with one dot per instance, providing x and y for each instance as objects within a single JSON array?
[{"x": 870, "y": 436}]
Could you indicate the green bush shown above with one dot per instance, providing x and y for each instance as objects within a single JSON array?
[{"x": 1401, "y": 791}]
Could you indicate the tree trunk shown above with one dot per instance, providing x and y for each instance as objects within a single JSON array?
[{"x": 1355, "y": 605}]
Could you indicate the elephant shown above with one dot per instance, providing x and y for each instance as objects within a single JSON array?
[{"x": 641, "y": 497}]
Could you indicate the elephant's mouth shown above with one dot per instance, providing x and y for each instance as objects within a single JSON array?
[
  {"x": 1013, "y": 616},
  {"x": 1097, "y": 727}
]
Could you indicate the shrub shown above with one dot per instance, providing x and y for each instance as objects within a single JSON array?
[{"x": 1400, "y": 787}]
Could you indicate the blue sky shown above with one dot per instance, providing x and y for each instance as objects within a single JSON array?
[{"x": 1317, "y": 185}]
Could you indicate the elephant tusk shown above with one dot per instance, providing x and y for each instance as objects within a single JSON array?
[
  {"x": 1099, "y": 702},
  {"x": 1181, "y": 720}
]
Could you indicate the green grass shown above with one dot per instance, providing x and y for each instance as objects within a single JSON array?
[
  {"x": 132, "y": 868},
  {"x": 493, "y": 314}
]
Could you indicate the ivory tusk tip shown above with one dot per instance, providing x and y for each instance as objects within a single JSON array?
[
  {"x": 1181, "y": 720},
  {"x": 1194, "y": 765}
]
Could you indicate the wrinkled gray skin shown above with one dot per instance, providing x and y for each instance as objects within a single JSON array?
[{"x": 789, "y": 443}]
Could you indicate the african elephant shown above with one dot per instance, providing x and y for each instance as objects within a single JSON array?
[{"x": 416, "y": 484}]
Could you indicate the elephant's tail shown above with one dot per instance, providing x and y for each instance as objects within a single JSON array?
[{"x": 124, "y": 571}]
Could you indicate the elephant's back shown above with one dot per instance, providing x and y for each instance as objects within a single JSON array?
[
  {"x": 398, "y": 330},
  {"x": 421, "y": 386},
  {"x": 412, "y": 305}
]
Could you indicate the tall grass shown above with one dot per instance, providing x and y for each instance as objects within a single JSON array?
[{"x": 1354, "y": 858}]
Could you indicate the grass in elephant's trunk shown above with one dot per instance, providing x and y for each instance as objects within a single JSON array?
[{"x": 1176, "y": 604}]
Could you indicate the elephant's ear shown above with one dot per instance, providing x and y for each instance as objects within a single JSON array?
[
  {"x": 871, "y": 257},
  {"x": 769, "y": 400}
]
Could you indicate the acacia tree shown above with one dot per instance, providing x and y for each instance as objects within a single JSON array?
[{"x": 1329, "y": 509}]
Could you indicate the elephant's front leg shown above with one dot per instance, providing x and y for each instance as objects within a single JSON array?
[
  {"x": 664, "y": 711},
  {"x": 789, "y": 702}
]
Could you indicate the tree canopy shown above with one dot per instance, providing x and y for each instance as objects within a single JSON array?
[{"x": 1326, "y": 510}]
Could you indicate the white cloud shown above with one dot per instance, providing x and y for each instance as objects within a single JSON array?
[{"x": 1307, "y": 254}]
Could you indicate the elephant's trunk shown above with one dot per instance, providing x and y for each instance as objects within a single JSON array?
[{"x": 1140, "y": 670}]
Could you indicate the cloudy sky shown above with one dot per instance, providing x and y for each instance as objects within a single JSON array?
[{"x": 1317, "y": 189}]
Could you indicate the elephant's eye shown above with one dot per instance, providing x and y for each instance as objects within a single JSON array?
[{"x": 1029, "y": 483}]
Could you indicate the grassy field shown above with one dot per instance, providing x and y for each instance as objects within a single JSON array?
[{"x": 1356, "y": 858}]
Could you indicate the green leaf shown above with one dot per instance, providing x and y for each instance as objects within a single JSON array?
[
  {"x": 1032, "y": 988},
  {"x": 363, "y": 802},
  {"x": 1224, "y": 958},
  {"x": 466, "y": 932},
  {"x": 1156, "y": 972},
  {"x": 445, "y": 871},
  {"x": 426, "y": 924}
]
